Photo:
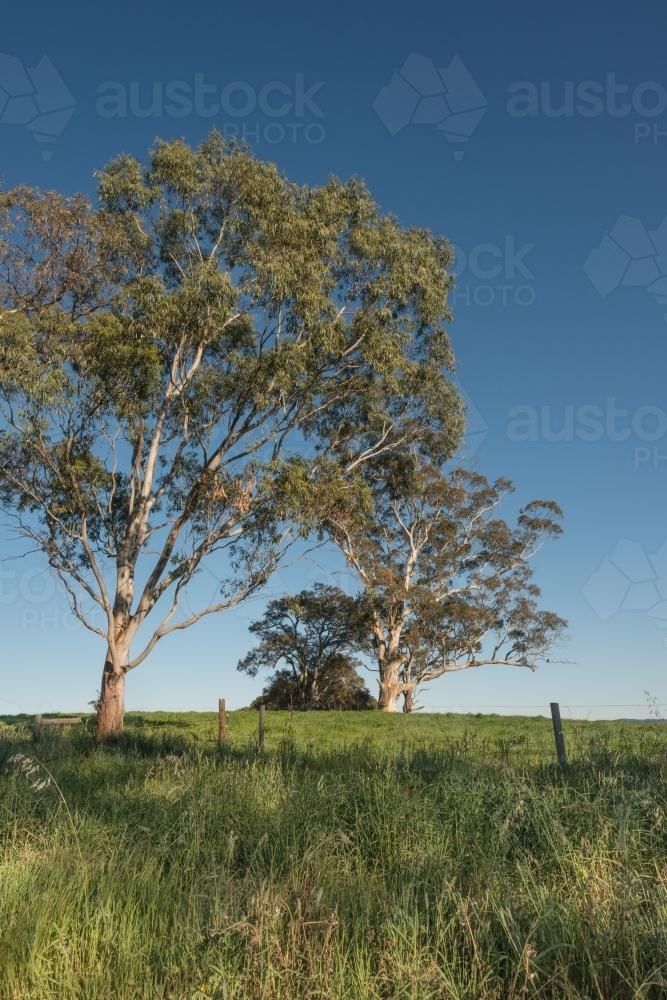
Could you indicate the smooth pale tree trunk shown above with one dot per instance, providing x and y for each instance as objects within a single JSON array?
[
  {"x": 111, "y": 704},
  {"x": 409, "y": 700},
  {"x": 391, "y": 687}
]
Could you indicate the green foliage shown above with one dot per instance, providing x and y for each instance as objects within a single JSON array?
[
  {"x": 175, "y": 356},
  {"x": 447, "y": 583},
  {"x": 339, "y": 688},
  {"x": 312, "y": 635}
]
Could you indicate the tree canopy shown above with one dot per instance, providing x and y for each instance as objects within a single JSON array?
[
  {"x": 447, "y": 583},
  {"x": 341, "y": 689},
  {"x": 184, "y": 359},
  {"x": 308, "y": 640}
]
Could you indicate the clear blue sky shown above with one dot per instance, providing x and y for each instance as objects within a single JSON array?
[{"x": 573, "y": 139}]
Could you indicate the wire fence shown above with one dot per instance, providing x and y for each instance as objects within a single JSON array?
[
  {"x": 519, "y": 708},
  {"x": 419, "y": 741}
]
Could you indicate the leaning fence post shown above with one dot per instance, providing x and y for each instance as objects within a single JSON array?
[
  {"x": 37, "y": 728},
  {"x": 261, "y": 727},
  {"x": 222, "y": 721},
  {"x": 558, "y": 734}
]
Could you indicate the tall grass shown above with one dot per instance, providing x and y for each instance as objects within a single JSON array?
[{"x": 385, "y": 868}]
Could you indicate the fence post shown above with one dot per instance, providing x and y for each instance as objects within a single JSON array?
[
  {"x": 222, "y": 721},
  {"x": 37, "y": 728},
  {"x": 558, "y": 735},
  {"x": 261, "y": 727}
]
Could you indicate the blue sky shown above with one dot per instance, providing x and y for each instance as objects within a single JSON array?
[{"x": 554, "y": 200}]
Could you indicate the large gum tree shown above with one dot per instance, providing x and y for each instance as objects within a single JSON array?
[{"x": 179, "y": 356}]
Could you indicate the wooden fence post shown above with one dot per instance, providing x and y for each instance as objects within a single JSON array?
[
  {"x": 40, "y": 722},
  {"x": 558, "y": 735},
  {"x": 222, "y": 721},
  {"x": 261, "y": 727}
]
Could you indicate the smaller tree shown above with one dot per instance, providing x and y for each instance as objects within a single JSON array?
[
  {"x": 340, "y": 688},
  {"x": 309, "y": 639},
  {"x": 447, "y": 584}
]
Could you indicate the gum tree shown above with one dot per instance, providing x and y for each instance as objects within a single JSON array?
[
  {"x": 182, "y": 358},
  {"x": 447, "y": 584}
]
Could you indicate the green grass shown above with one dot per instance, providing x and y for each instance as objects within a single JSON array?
[
  {"x": 360, "y": 856},
  {"x": 515, "y": 737}
]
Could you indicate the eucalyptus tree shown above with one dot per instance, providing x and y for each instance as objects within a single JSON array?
[
  {"x": 183, "y": 356},
  {"x": 447, "y": 583}
]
